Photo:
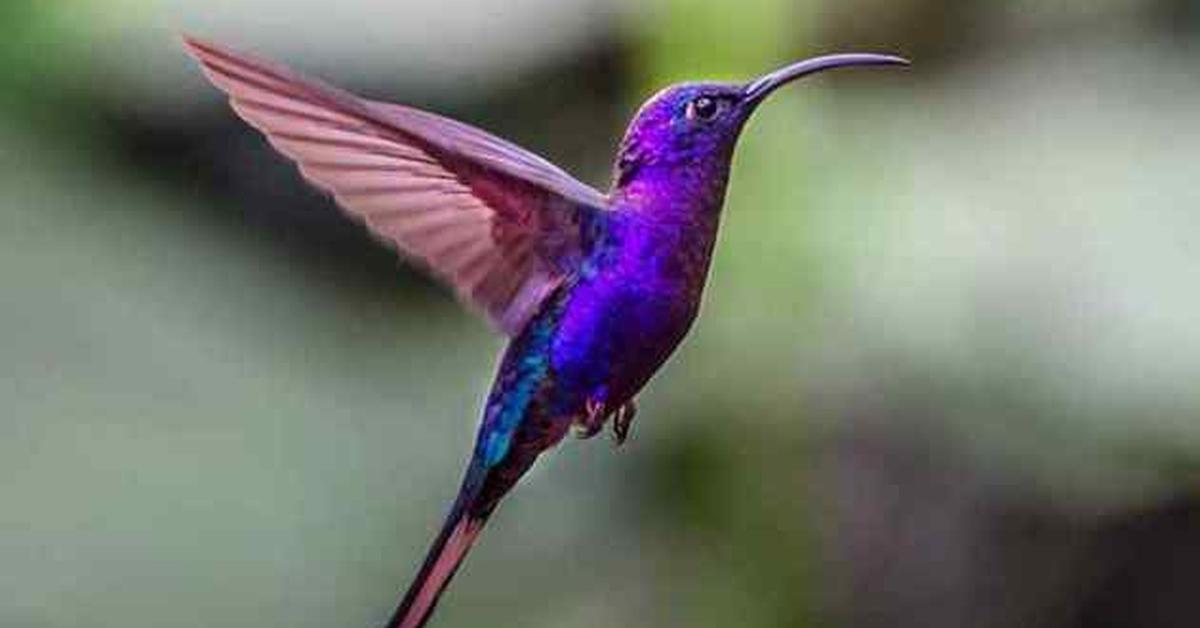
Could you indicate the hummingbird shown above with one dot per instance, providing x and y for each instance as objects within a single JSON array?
[{"x": 594, "y": 290}]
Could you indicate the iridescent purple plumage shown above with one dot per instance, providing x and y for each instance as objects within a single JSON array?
[{"x": 596, "y": 290}]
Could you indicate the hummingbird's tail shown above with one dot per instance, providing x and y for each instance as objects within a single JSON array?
[{"x": 460, "y": 530}]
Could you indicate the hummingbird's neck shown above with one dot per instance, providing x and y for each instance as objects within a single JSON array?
[{"x": 691, "y": 194}]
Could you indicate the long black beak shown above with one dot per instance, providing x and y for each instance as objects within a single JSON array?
[{"x": 757, "y": 90}]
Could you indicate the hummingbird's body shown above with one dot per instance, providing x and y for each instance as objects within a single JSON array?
[
  {"x": 596, "y": 290},
  {"x": 594, "y": 344}
]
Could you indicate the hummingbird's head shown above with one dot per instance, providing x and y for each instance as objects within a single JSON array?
[{"x": 688, "y": 131}]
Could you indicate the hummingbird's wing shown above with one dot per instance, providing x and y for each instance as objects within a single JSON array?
[{"x": 503, "y": 226}]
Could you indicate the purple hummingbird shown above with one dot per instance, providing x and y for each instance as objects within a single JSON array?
[{"x": 595, "y": 290}]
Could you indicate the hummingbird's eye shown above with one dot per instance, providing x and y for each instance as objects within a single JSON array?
[{"x": 704, "y": 109}]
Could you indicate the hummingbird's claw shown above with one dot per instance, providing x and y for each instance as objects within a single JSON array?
[
  {"x": 596, "y": 414},
  {"x": 623, "y": 420},
  {"x": 591, "y": 422},
  {"x": 584, "y": 430}
]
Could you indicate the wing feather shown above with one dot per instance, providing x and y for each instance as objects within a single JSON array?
[{"x": 498, "y": 223}]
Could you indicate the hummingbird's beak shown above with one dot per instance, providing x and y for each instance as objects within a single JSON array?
[{"x": 757, "y": 90}]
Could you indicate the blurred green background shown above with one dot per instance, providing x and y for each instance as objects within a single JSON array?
[{"x": 945, "y": 376}]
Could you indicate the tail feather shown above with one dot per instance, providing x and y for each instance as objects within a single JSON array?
[{"x": 458, "y": 533}]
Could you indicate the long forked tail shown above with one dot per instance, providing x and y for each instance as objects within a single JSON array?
[{"x": 461, "y": 529}]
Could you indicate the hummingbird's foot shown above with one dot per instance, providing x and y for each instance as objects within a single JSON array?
[
  {"x": 590, "y": 423},
  {"x": 623, "y": 420}
]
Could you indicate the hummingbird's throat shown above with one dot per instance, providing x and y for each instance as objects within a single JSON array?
[{"x": 677, "y": 193}]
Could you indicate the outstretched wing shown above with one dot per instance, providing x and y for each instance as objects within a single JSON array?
[{"x": 500, "y": 224}]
